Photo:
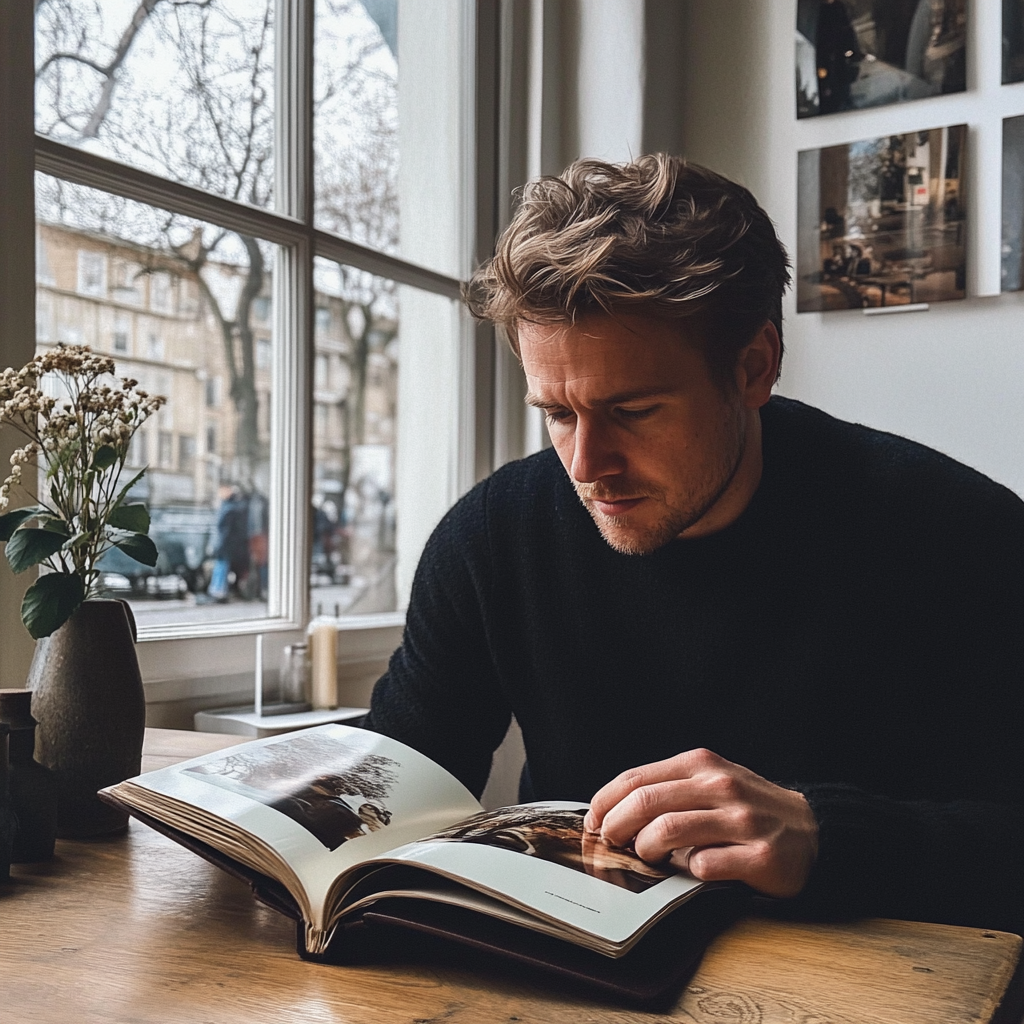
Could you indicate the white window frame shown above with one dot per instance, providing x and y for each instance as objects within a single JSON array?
[{"x": 197, "y": 660}]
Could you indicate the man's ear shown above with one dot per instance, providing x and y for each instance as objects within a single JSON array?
[{"x": 757, "y": 366}]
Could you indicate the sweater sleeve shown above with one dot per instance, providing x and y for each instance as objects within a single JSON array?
[
  {"x": 440, "y": 693},
  {"x": 955, "y": 862}
]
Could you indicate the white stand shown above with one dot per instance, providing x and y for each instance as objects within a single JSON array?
[{"x": 272, "y": 719}]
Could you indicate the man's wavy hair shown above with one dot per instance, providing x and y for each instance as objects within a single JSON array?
[{"x": 657, "y": 236}]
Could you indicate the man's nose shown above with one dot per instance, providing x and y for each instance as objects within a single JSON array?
[{"x": 595, "y": 454}]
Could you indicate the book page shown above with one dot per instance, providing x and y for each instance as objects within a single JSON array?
[
  {"x": 538, "y": 857},
  {"x": 321, "y": 799}
]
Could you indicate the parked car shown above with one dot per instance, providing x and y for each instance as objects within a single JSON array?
[{"x": 182, "y": 535}]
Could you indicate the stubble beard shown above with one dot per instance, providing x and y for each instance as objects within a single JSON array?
[{"x": 628, "y": 538}]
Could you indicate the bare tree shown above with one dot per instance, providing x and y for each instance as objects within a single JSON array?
[{"x": 185, "y": 88}]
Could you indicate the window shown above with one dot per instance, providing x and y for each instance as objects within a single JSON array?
[
  {"x": 186, "y": 453},
  {"x": 44, "y": 316},
  {"x": 262, "y": 353},
  {"x": 122, "y": 339},
  {"x": 92, "y": 273},
  {"x": 154, "y": 346},
  {"x": 138, "y": 451},
  {"x": 161, "y": 292},
  {"x": 165, "y": 449},
  {"x": 126, "y": 281},
  {"x": 192, "y": 200}
]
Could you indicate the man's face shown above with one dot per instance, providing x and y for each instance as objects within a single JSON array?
[{"x": 653, "y": 445}]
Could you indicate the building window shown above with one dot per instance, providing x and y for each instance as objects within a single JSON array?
[
  {"x": 262, "y": 353},
  {"x": 122, "y": 334},
  {"x": 126, "y": 281},
  {"x": 161, "y": 292},
  {"x": 92, "y": 273},
  {"x": 165, "y": 449},
  {"x": 44, "y": 272},
  {"x": 154, "y": 347},
  {"x": 138, "y": 450},
  {"x": 211, "y": 440},
  {"x": 212, "y": 392},
  {"x": 44, "y": 315},
  {"x": 186, "y": 453}
]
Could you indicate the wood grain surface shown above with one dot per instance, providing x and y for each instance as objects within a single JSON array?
[{"x": 137, "y": 929}]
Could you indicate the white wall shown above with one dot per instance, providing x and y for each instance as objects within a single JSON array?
[{"x": 952, "y": 377}]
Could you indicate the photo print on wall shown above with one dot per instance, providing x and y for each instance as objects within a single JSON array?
[
  {"x": 881, "y": 222},
  {"x": 1013, "y": 41},
  {"x": 852, "y": 54},
  {"x": 1012, "y": 266}
]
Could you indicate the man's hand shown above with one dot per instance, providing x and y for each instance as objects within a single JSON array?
[{"x": 712, "y": 818}]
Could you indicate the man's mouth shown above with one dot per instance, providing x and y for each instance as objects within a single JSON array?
[{"x": 616, "y": 506}]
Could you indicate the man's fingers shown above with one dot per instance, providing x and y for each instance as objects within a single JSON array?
[
  {"x": 751, "y": 862},
  {"x": 670, "y": 832},
  {"x": 645, "y": 804},
  {"x": 680, "y": 767}
]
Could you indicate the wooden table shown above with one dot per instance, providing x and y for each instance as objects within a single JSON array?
[{"x": 137, "y": 929}]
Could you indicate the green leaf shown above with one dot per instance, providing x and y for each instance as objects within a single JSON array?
[
  {"x": 12, "y": 520},
  {"x": 50, "y": 601},
  {"x": 55, "y": 525},
  {"x": 105, "y": 457},
  {"x": 140, "y": 547},
  {"x": 132, "y": 517},
  {"x": 28, "y": 547},
  {"x": 128, "y": 486}
]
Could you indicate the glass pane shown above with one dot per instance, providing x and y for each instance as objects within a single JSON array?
[
  {"x": 356, "y": 120},
  {"x": 185, "y": 90},
  {"x": 185, "y": 308},
  {"x": 355, "y": 395}
]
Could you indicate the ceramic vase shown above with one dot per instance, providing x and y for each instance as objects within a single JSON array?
[{"x": 88, "y": 700}]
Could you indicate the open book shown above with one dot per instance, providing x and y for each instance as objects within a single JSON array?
[{"x": 345, "y": 819}]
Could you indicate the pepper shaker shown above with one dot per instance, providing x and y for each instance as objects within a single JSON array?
[{"x": 33, "y": 787}]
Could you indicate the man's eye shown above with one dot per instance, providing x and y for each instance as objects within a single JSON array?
[
  {"x": 637, "y": 414},
  {"x": 558, "y": 415}
]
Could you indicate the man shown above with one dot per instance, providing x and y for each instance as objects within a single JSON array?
[{"x": 767, "y": 645}]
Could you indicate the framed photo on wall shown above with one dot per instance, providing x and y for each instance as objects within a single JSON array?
[
  {"x": 881, "y": 222},
  {"x": 852, "y": 54},
  {"x": 1013, "y": 41}
]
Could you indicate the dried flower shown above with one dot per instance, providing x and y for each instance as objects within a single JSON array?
[{"x": 83, "y": 439}]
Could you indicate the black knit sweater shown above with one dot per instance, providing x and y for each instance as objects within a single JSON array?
[{"x": 857, "y": 634}]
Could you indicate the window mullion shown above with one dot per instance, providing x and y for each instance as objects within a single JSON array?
[
  {"x": 291, "y": 413},
  {"x": 100, "y": 172}
]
